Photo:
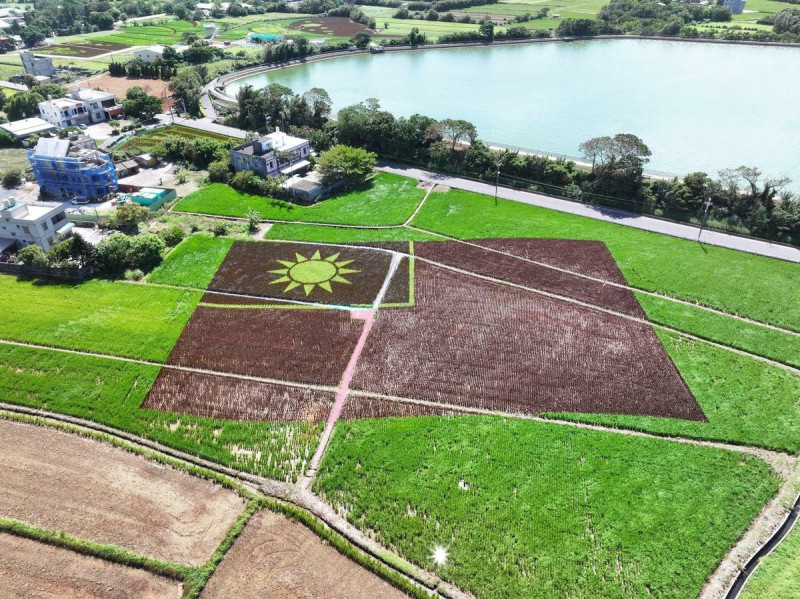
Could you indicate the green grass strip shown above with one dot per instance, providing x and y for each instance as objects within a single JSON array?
[{"x": 110, "y": 553}]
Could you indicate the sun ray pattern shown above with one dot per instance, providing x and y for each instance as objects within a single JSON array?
[{"x": 313, "y": 272}]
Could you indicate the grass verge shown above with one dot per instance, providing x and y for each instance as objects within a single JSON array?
[
  {"x": 135, "y": 321},
  {"x": 193, "y": 263},
  {"x": 385, "y": 199},
  {"x": 526, "y": 509}
]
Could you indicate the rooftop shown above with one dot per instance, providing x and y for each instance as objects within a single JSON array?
[
  {"x": 54, "y": 147},
  {"x": 90, "y": 94},
  {"x": 30, "y": 212},
  {"x": 27, "y": 127},
  {"x": 64, "y": 103}
]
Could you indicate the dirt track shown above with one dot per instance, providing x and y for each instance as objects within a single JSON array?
[
  {"x": 37, "y": 571},
  {"x": 95, "y": 491},
  {"x": 280, "y": 559}
]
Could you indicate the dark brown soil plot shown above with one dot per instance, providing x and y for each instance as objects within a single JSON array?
[
  {"x": 590, "y": 258},
  {"x": 356, "y": 407},
  {"x": 235, "y": 399},
  {"x": 31, "y": 570},
  {"x": 507, "y": 268},
  {"x": 341, "y": 275},
  {"x": 223, "y": 299},
  {"x": 338, "y": 26},
  {"x": 476, "y": 343},
  {"x": 280, "y": 559},
  {"x": 306, "y": 345}
]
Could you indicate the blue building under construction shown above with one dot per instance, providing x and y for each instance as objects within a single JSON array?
[{"x": 72, "y": 168}]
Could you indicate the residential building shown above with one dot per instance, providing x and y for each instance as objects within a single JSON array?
[
  {"x": 101, "y": 106},
  {"x": 72, "y": 168},
  {"x": 150, "y": 54},
  {"x": 83, "y": 107},
  {"x": 64, "y": 112},
  {"x": 736, "y": 6},
  {"x": 42, "y": 223},
  {"x": 262, "y": 155},
  {"x": 38, "y": 66},
  {"x": 24, "y": 128}
]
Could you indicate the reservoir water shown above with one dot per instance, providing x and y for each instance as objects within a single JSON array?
[{"x": 697, "y": 106}]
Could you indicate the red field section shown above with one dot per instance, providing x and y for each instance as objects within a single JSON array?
[
  {"x": 215, "y": 396},
  {"x": 475, "y": 343}
]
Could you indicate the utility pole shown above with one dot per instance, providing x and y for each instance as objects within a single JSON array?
[
  {"x": 706, "y": 205},
  {"x": 496, "y": 182}
]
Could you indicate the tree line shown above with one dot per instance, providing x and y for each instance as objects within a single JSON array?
[{"x": 740, "y": 199}]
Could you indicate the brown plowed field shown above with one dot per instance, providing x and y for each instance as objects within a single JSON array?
[
  {"x": 31, "y": 570},
  {"x": 280, "y": 559},
  {"x": 507, "y": 268},
  {"x": 98, "y": 492},
  {"x": 590, "y": 258},
  {"x": 120, "y": 85},
  {"x": 225, "y": 397},
  {"x": 356, "y": 407},
  {"x": 307, "y": 346},
  {"x": 247, "y": 270},
  {"x": 476, "y": 343}
]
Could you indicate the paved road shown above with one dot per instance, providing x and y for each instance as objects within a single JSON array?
[{"x": 629, "y": 219}]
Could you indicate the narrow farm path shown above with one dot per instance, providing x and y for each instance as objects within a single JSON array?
[{"x": 368, "y": 316}]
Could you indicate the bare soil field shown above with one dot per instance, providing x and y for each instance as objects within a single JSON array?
[
  {"x": 120, "y": 85},
  {"x": 336, "y": 26},
  {"x": 297, "y": 271},
  {"x": 476, "y": 343},
  {"x": 86, "y": 49},
  {"x": 98, "y": 492},
  {"x": 508, "y": 268},
  {"x": 307, "y": 346},
  {"x": 32, "y": 570},
  {"x": 280, "y": 559},
  {"x": 235, "y": 399}
]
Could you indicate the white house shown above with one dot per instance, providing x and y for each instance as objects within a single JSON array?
[
  {"x": 24, "y": 128},
  {"x": 85, "y": 106},
  {"x": 271, "y": 155},
  {"x": 42, "y": 223},
  {"x": 149, "y": 54},
  {"x": 64, "y": 112},
  {"x": 101, "y": 105}
]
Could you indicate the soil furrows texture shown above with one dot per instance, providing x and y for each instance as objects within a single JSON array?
[
  {"x": 477, "y": 343},
  {"x": 280, "y": 559},
  {"x": 101, "y": 493},
  {"x": 213, "y": 396},
  {"x": 507, "y": 268},
  {"x": 31, "y": 570}
]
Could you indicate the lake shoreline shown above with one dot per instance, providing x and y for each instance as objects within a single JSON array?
[{"x": 217, "y": 87}]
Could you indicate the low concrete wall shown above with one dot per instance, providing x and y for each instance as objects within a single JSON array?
[{"x": 64, "y": 274}]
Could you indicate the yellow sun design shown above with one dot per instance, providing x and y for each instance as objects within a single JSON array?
[{"x": 312, "y": 272}]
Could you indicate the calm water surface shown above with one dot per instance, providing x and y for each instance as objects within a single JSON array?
[{"x": 697, "y": 106}]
